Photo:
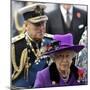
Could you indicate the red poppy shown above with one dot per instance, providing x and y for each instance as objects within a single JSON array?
[{"x": 81, "y": 73}]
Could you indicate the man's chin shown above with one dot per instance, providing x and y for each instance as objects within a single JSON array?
[{"x": 38, "y": 38}]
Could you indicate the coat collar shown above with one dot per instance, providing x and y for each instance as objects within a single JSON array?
[{"x": 54, "y": 74}]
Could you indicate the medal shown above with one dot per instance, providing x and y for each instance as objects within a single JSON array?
[{"x": 39, "y": 51}]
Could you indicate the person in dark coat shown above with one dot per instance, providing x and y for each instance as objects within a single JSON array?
[
  {"x": 61, "y": 72},
  {"x": 28, "y": 47},
  {"x": 66, "y": 18}
]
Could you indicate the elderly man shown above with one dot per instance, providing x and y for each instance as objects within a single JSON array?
[
  {"x": 61, "y": 72},
  {"x": 28, "y": 48}
]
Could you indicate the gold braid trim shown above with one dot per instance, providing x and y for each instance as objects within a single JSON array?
[
  {"x": 22, "y": 64},
  {"x": 16, "y": 68}
]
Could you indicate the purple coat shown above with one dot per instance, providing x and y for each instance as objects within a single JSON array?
[{"x": 43, "y": 80}]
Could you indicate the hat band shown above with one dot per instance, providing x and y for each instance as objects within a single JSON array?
[
  {"x": 59, "y": 47},
  {"x": 31, "y": 14}
]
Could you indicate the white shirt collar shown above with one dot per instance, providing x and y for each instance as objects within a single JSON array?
[{"x": 64, "y": 11}]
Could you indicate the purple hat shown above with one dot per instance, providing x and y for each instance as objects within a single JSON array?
[{"x": 64, "y": 42}]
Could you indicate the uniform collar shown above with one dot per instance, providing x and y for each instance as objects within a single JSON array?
[{"x": 34, "y": 43}]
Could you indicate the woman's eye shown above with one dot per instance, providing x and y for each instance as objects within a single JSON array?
[
  {"x": 67, "y": 56},
  {"x": 60, "y": 56}
]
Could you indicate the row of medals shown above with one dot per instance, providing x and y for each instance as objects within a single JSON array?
[{"x": 39, "y": 51}]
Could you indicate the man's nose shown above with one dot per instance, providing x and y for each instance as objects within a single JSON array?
[{"x": 42, "y": 27}]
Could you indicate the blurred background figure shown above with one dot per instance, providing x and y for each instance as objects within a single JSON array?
[
  {"x": 82, "y": 59},
  {"x": 66, "y": 18}
]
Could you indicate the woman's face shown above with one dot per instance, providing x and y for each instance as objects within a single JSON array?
[
  {"x": 36, "y": 31},
  {"x": 63, "y": 60}
]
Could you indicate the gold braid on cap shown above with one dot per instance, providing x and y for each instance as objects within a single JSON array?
[
  {"x": 39, "y": 10},
  {"x": 23, "y": 59}
]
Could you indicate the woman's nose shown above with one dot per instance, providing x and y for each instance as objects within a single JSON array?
[{"x": 64, "y": 59}]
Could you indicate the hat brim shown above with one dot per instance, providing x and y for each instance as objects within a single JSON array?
[
  {"x": 76, "y": 48},
  {"x": 38, "y": 19},
  {"x": 31, "y": 7}
]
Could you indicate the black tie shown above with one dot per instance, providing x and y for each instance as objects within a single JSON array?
[{"x": 68, "y": 21}]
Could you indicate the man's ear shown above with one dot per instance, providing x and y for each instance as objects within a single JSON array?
[
  {"x": 25, "y": 26},
  {"x": 26, "y": 23}
]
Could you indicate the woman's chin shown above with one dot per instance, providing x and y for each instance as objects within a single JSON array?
[{"x": 64, "y": 69}]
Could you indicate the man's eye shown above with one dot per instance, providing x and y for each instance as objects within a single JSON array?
[{"x": 37, "y": 24}]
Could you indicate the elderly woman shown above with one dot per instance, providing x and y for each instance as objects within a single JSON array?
[{"x": 61, "y": 72}]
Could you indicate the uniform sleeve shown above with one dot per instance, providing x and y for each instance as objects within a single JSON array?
[{"x": 39, "y": 82}]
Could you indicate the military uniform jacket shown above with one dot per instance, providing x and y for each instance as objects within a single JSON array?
[{"x": 24, "y": 58}]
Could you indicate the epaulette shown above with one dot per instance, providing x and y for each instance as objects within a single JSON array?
[
  {"x": 48, "y": 35},
  {"x": 18, "y": 37}
]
